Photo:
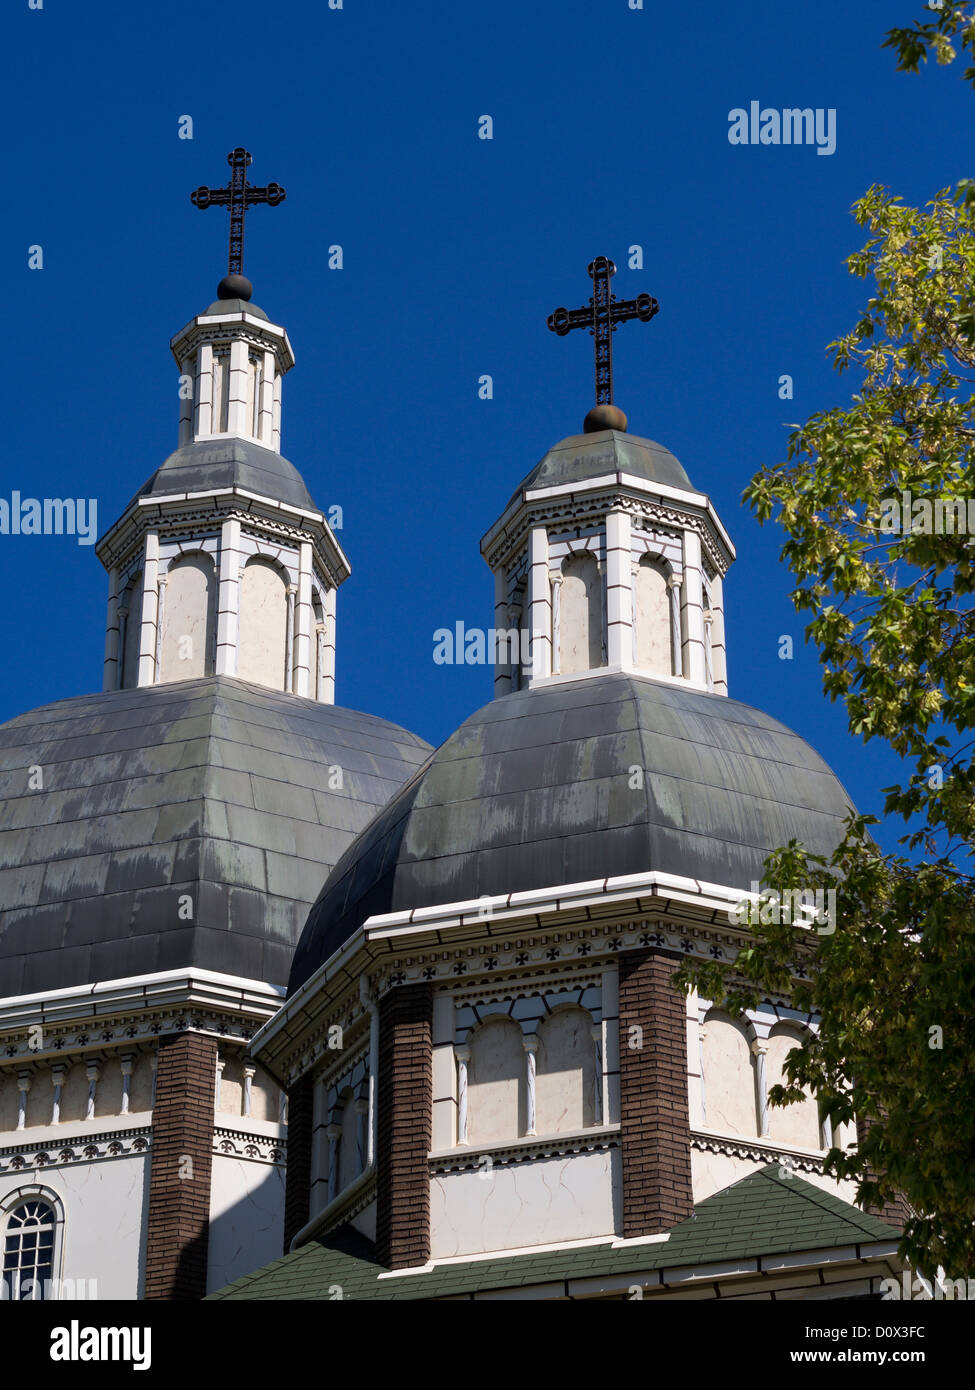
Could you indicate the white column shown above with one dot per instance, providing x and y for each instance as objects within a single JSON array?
[
  {"x": 303, "y": 622},
  {"x": 760, "y": 1048},
  {"x": 673, "y": 585},
  {"x": 289, "y": 647},
  {"x": 160, "y": 619},
  {"x": 502, "y": 672},
  {"x": 556, "y": 616},
  {"x": 334, "y": 1134},
  {"x": 228, "y": 598},
  {"x": 265, "y": 418},
  {"x": 719, "y": 655},
  {"x": 125, "y": 1062},
  {"x": 113, "y": 649},
  {"x": 185, "y": 402},
  {"x": 237, "y": 422},
  {"x": 276, "y": 414},
  {"x": 154, "y": 1068},
  {"x": 24, "y": 1080},
  {"x": 619, "y": 596},
  {"x": 702, "y": 1031},
  {"x": 57, "y": 1077},
  {"x": 204, "y": 391},
  {"x": 692, "y": 610},
  {"x": 463, "y": 1055},
  {"x": 282, "y": 1107},
  {"x": 826, "y": 1131},
  {"x": 249, "y": 1070},
  {"x": 218, "y": 1083},
  {"x": 328, "y": 661},
  {"x": 150, "y": 607},
  {"x": 539, "y": 604},
  {"x": 531, "y": 1046},
  {"x": 708, "y": 664},
  {"x": 92, "y": 1071},
  {"x": 597, "y": 1042}
]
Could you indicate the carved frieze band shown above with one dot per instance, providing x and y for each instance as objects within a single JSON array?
[{"x": 122, "y": 1143}]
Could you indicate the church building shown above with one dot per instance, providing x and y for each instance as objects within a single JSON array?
[{"x": 296, "y": 1007}]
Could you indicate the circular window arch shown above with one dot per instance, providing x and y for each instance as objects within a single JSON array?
[{"x": 32, "y": 1224}]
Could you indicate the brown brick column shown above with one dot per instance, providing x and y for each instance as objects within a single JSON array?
[
  {"x": 297, "y": 1192},
  {"x": 405, "y": 1126},
  {"x": 655, "y": 1124},
  {"x": 895, "y": 1212},
  {"x": 179, "y": 1181}
]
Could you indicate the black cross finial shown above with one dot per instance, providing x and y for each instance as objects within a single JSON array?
[
  {"x": 601, "y": 316},
  {"x": 238, "y": 195}
]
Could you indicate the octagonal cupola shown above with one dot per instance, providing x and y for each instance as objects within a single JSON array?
[
  {"x": 608, "y": 558},
  {"x": 222, "y": 564}
]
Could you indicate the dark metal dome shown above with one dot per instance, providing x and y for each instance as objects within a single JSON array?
[
  {"x": 214, "y": 788},
  {"x": 584, "y": 456},
  {"x": 534, "y": 790},
  {"x": 230, "y": 462}
]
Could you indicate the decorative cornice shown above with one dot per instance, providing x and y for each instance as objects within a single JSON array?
[
  {"x": 260, "y": 1148},
  {"x": 581, "y": 508},
  {"x": 525, "y": 1150},
  {"x": 758, "y": 1150},
  {"x": 117, "y": 1143}
]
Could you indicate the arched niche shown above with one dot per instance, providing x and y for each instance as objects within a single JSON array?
[
  {"x": 495, "y": 1110},
  {"x": 348, "y": 1147},
  {"x": 565, "y": 1072},
  {"x": 130, "y": 617},
  {"x": 317, "y": 626},
  {"x": 580, "y": 614},
  {"x": 653, "y": 638},
  {"x": 729, "y": 1076},
  {"x": 789, "y": 1124},
  {"x": 263, "y": 627},
  {"x": 189, "y": 619}
]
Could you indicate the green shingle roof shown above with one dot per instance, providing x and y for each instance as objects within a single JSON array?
[{"x": 760, "y": 1217}]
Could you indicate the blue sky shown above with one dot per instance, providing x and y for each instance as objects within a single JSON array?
[{"x": 610, "y": 129}]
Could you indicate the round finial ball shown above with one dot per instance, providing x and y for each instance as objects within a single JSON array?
[
  {"x": 604, "y": 417},
  {"x": 235, "y": 287}
]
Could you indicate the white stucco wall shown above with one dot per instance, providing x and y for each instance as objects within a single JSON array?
[
  {"x": 532, "y": 1202},
  {"x": 105, "y": 1208},
  {"x": 246, "y": 1218}
]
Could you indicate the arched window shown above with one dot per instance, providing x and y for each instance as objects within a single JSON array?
[
  {"x": 30, "y": 1230},
  {"x": 789, "y": 1124},
  {"x": 729, "y": 1077},
  {"x": 580, "y": 615},
  {"x": 496, "y": 1069},
  {"x": 565, "y": 1072},
  {"x": 263, "y": 632},
  {"x": 653, "y": 621},
  {"x": 189, "y": 619}
]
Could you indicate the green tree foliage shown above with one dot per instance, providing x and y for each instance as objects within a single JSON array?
[
  {"x": 934, "y": 35},
  {"x": 891, "y": 612}
]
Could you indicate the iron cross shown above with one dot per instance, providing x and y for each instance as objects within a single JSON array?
[
  {"x": 601, "y": 316},
  {"x": 239, "y": 195}
]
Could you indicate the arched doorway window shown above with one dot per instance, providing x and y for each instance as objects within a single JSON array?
[{"x": 30, "y": 1228}]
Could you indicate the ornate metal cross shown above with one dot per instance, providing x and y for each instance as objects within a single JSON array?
[
  {"x": 601, "y": 316},
  {"x": 239, "y": 195}
]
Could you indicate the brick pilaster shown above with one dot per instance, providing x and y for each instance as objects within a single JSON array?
[
  {"x": 179, "y": 1181},
  {"x": 297, "y": 1192},
  {"x": 405, "y": 1126},
  {"x": 655, "y": 1124},
  {"x": 894, "y": 1212}
]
